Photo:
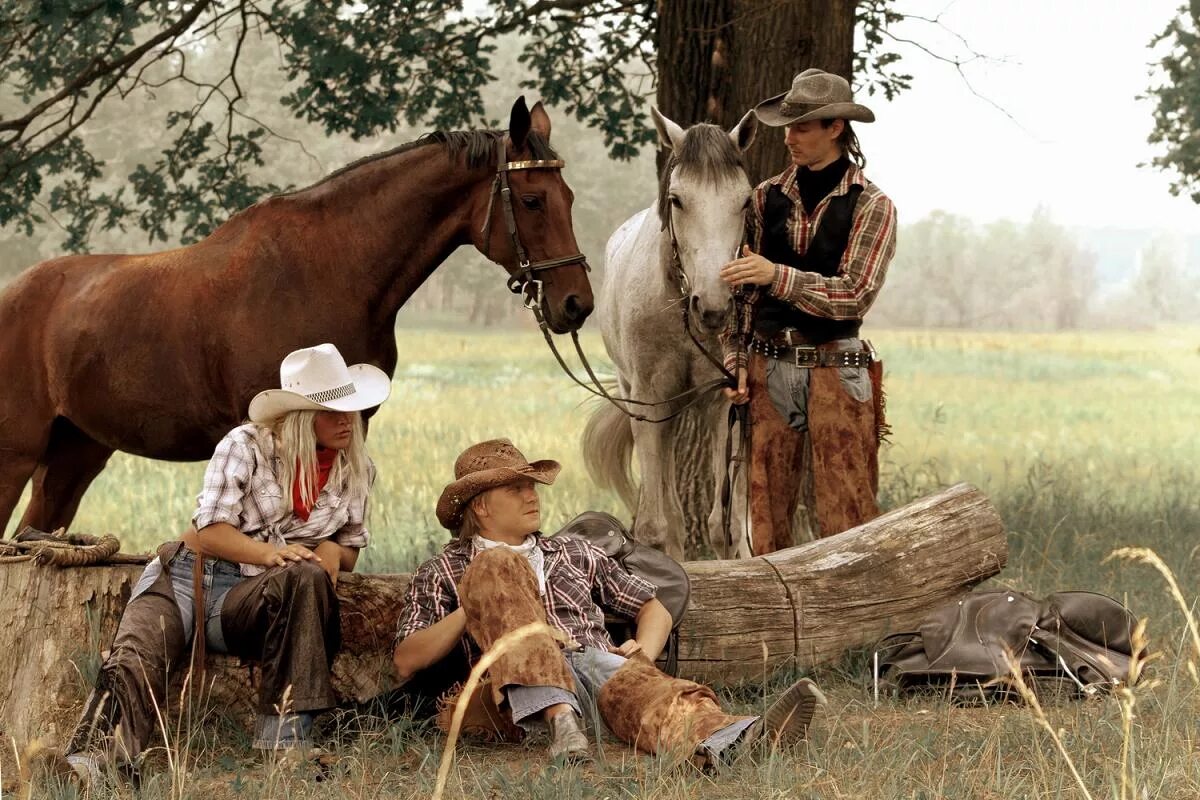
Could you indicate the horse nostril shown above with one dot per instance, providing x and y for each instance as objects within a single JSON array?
[
  {"x": 572, "y": 307},
  {"x": 713, "y": 320}
]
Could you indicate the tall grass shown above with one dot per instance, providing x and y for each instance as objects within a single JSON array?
[{"x": 1085, "y": 442}]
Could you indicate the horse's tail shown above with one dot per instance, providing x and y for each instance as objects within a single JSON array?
[{"x": 608, "y": 452}]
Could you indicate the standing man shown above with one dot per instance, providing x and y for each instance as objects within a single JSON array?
[{"x": 820, "y": 238}]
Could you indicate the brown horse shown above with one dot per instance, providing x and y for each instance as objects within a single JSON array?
[{"x": 159, "y": 355}]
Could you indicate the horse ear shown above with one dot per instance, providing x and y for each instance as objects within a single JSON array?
[
  {"x": 540, "y": 120},
  {"x": 742, "y": 134},
  {"x": 519, "y": 123},
  {"x": 670, "y": 135}
]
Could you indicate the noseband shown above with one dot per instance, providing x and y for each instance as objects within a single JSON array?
[{"x": 523, "y": 279}]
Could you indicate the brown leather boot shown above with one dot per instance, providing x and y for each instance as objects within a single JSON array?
[
  {"x": 568, "y": 742},
  {"x": 788, "y": 719}
]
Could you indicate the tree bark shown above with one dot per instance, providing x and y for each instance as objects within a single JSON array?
[
  {"x": 798, "y": 607},
  {"x": 717, "y": 60}
]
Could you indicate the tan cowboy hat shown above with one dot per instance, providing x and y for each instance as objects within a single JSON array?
[
  {"x": 484, "y": 466},
  {"x": 317, "y": 379},
  {"x": 815, "y": 94}
]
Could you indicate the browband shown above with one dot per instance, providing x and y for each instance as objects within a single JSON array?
[{"x": 510, "y": 166}]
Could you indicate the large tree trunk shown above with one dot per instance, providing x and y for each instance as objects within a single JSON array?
[
  {"x": 803, "y": 606},
  {"x": 718, "y": 58}
]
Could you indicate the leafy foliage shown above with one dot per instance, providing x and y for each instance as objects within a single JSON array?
[
  {"x": 1177, "y": 98},
  {"x": 353, "y": 68}
]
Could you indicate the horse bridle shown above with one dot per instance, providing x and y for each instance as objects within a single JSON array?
[{"x": 523, "y": 280}]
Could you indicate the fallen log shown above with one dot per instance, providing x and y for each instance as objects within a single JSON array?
[{"x": 803, "y": 606}]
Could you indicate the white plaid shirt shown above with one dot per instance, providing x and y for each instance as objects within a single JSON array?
[{"x": 241, "y": 487}]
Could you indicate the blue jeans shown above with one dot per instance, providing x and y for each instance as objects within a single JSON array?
[
  {"x": 592, "y": 668},
  {"x": 271, "y": 731}
]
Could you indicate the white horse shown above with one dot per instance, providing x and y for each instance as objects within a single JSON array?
[{"x": 704, "y": 194}]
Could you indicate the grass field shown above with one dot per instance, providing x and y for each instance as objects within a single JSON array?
[{"x": 1085, "y": 443}]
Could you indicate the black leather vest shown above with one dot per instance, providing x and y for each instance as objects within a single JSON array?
[{"x": 823, "y": 257}]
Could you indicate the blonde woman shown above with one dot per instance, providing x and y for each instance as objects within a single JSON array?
[{"x": 281, "y": 513}]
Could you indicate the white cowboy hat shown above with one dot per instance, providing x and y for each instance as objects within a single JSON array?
[
  {"x": 815, "y": 94},
  {"x": 317, "y": 379}
]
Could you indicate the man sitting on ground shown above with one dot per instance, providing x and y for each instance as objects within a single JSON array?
[{"x": 500, "y": 573}]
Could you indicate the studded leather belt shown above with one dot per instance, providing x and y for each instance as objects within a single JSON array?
[{"x": 809, "y": 356}]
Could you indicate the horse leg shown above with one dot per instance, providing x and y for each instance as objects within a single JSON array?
[
  {"x": 22, "y": 440},
  {"x": 659, "y": 519},
  {"x": 71, "y": 462},
  {"x": 738, "y": 543}
]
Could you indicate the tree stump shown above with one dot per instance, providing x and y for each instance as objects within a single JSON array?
[{"x": 803, "y": 606}]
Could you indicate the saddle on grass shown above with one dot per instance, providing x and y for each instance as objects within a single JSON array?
[
  {"x": 674, "y": 589},
  {"x": 1069, "y": 645}
]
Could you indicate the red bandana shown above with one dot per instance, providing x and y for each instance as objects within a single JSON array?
[{"x": 325, "y": 459}]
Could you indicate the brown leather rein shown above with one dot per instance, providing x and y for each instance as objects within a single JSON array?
[{"x": 525, "y": 283}]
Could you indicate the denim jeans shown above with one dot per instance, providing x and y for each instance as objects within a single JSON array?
[
  {"x": 592, "y": 668},
  {"x": 271, "y": 731}
]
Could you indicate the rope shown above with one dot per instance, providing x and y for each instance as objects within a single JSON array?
[
  {"x": 78, "y": 556},
  {"x": 59, "y": 548}
]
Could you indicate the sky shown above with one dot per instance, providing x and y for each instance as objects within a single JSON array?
[{"x": 1068, "y": 72}]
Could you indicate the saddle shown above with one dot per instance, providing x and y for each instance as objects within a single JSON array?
[
  {"x": 1077, "y": 644},
  {"x": 674, "y": 589}
]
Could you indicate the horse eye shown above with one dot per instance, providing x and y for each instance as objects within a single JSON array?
[
  {"x": 675, "y": 201},
  {"x": 531, "y": 202},
  {"x": 746, "y": 205}
]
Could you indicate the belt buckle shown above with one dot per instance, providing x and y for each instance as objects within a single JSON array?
[{"x": 808, "y": 350}]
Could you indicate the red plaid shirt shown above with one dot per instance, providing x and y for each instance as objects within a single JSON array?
[
  {"x": 580, "y": 579},
  {"x": 846, "y": 295}
]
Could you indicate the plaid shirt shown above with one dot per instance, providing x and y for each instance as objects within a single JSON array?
[
  {"x": 241, "y": 487},
  {"x": 846, "y": 295},
  {"x": 580, "y": 579}
]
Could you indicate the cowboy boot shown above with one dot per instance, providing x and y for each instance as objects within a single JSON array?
[
  {"x": 568, "y": 742},
  {"x": 788, "y": 719}
]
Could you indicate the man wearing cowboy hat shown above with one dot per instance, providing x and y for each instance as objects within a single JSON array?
[
  {"x": 500, "y": 573},
  {"x": 820, "y": 238}
]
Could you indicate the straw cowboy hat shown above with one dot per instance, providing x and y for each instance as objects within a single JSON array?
[
  {"x": 317, "y": 379},
  {"x": 815, "y": 94},
  {"x": 484, "y": 466}
]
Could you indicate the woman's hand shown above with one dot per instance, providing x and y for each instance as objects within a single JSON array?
[
  {"x": 329, "y": 553},
  {"x": 288, "y": 554}
]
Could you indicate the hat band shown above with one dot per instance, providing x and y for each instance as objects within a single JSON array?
[
  {"x": 799, "y": 108},
  {"x": 326, "y": 395}
]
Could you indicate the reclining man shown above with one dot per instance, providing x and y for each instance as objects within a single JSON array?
[{"x": 500, "y": 573}]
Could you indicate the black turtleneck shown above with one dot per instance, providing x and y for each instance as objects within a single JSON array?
[{"x": 814, "y": 185}]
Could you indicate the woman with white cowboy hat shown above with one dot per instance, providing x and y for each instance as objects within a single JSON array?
[
  {"x": 281, "y": 513},
  {"x": 820, "y": 236}
]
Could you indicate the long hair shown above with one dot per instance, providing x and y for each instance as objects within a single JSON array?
[
  {"x": 848, "y": 141},
  {"x": 296, "y": 445},
  {"x": 470, "y": 526}
]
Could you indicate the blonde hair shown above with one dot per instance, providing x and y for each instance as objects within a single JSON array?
[
  {"x": 296, "y": 443},
  {"x": 471, "y": 526}
]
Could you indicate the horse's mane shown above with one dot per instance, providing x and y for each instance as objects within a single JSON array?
[
  {"x": 479, "y": 145},
  {"x": 707, "y": 152}
]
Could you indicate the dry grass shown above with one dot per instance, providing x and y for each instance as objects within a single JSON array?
[{"x": 1086, "y": 443}]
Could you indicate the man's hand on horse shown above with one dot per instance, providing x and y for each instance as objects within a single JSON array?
[
  {"x": 742, "y": 393},
  {"x": 749, "y": 270}
]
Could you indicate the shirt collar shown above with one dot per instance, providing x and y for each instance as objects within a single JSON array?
[
  {"x": 786, "y": 181},
  {"x": 549, "y": 544}
]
